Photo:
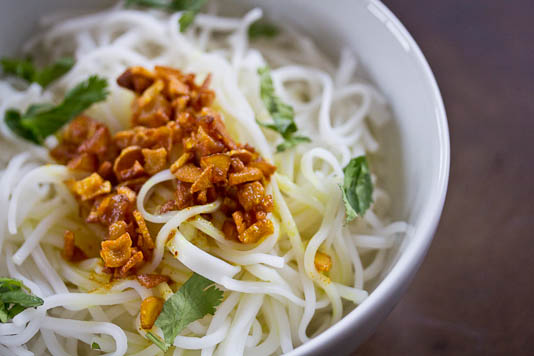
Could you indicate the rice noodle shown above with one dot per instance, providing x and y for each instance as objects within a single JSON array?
[{"x": 275, "y": 299}]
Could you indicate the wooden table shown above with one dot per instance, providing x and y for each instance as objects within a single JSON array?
[{"x": 474, "y": 294}]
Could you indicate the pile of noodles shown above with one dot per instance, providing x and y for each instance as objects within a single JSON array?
[{"x": 273, "y": 294}]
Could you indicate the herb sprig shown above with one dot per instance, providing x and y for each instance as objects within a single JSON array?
[
  {"x": 357, "y": 188},
  {"x": 42, "y": 120},
  {"x": 283, "y": 114},
  {"x": 25, "y": 69},
  {"x": 262, "y": 29},
  {"x": 14, "y": 298},
  {"x": 197, "y": 297},
  {"x": 190, "y": 8}
]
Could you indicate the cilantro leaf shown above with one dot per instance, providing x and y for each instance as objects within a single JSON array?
[
  {"x": 14, "y": 298},
  {"x": 291, "y": 142},
  {"x": 7, "y": 284},
  {"x": 95, "y": 346},
  {"x": 357, "y": 188},
  {"x": 262, "y": 29},
  {"x": 186, "y": 20},
  {"x": 196, "y": 298},
  {"x": 4, "y": 316},
  {"x": 188, "y": 17},
  {"x": 22, "y": 68},
  {"x": 190, "y": 8},
  {"x": 42, "y": 120},
  {"x": 48, "y": 74},
  {"x": 157, "y": 4},
  {"x": 194, "y": 5},
  {"x": 20, "y": 297},
  {"x": 282, "y": 114},
  {"x": 25, "y": 69},
  {"x": 168, "y": 5},
  {"x": 12, "y": 118}
]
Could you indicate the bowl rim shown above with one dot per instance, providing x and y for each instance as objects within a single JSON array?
[{"x": 425, "y": 226}]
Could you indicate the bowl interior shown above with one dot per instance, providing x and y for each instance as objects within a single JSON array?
[{"x": 415, "y": 146}]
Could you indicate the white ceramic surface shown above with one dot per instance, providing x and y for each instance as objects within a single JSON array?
[{"x": 416, "y": 154}]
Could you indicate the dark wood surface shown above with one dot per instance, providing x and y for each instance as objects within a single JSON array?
[{"x": 474, "y": 294}]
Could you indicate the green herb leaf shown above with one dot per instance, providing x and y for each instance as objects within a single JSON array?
[
  {"x": 282, "y": 114},
  {"x": 262, "y": 29},
  {"x": 22, "y": 68},
  {"x": 186, "y": 20},
  {"x": 95, "y": 346},
  {"x": 9, "y": 284},
  {"x": 49, "y": 74},
  {"x": 291, "y": 142},
  {"x": 156, "y": 340},
  {"x": 42, "y": 120},
  {"x": 195, "y": 299},
  {"x": 157, "y": 4},
  {"x": 25, "y": 69},
  {"x": 169, "y": 5},
  {"x": 14, "y": 298},
  {"x": 357, "y": 188},
  {"x": 191, "y": 8},
  {"x": 4, "y": 315},
  {"x": 188, "y": 17},
  {"x": 20, "y": 297},
  {"x": 16, "y": 309},
  {"x": 12, "y": 119}
]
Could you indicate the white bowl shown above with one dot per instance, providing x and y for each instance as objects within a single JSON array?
[{"x": 417, "y": 148}]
